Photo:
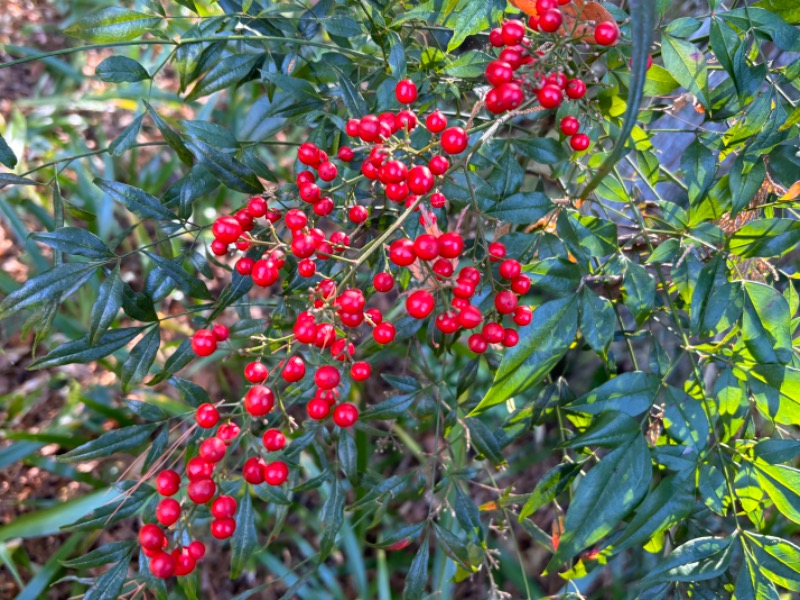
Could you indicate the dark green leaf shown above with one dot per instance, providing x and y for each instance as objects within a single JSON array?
[
  {"x": 696, "y": 560},
  {"x": 525, "y": 208},
  {"x": 555, "y": 275},
  {"x": 777, "y": 451},
  {"x": 225, "y": 74},
  {"x": 119, "y": 69},
  {"x": 468, "y": 516},
  {"x": 103, "y": 555},
  {"x": 699, "y": 167},
  {"x": 765, "y": 237},
  {"x": 391, "y": 408},
  {"x": 125, "y": 501},
  {"x": 127, "y": 137},
  {"x": 638, "y": 291},
  {"x": 106, "y": 306},
  {"x": 348, "y": 456},
  {"x": 407, "y": 532},
  {"x": 417, "y": 576},
  {"x": 549, "y": 487},
  {"x": 245, "y": 538},
  {"x": 7, "y": 156},
  {"x": 751, "y": 583},
  {"x": 687, "y": 65},
  {"x": 191, "y": 285},
  {"x": 332, "y": 518},
  {"x": 610, "y": 430},
  {"x": 485, "y": 442},
  {"x": 140, "y": 203},
  {"x": 597, "y": 320},
  {"x": 354, "y": 102},
  {"x": 112, "y": 442},
  {"x": 141, "y": 358},
  {"x": 112, "y": 24},
  {"x": 546, "y": 151},
  {"x": 173, "y": 139},
  {"x": 632, "y": 393},
  {"x": 109, "y": 585},
  {"x": 766, "y": 324},
  {"x": 777, "y": 559},
  {"x": 48, "y": 285},
  {"x": 744, "y": 186},
  {"x": 685, "y": 419},
  {"x": 81, "y": 351},
  {"x": 212, "y": 134},
  {"x": 229, "y": 172},
  {"x": 74, "y": 240}
]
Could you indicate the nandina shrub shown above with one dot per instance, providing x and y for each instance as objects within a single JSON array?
[{"x": 447, "y": 260}]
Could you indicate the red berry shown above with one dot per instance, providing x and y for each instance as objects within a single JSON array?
[
  {"x": 342, "y": 349},
  {"x": 168, "y": 511},
  {"x": 436, "y": 122},
  {"x": 304, "y": 245},
  {"x": 212, "y": 450},
  {"x": 196, "y": 549},
  {"x": 471, "y": 274},
  {"x": 223, "y": 506},
  {"x": 162, "y": 565},
  {"x": 345, "y": 415},
  {"x": 426, "y": 247},
  {"x": 204, "y": 342},
  {"x": 244, "y": 266},
  {"x": 259, "y": 400},
  {"x": 443, "y": 268},
  {"x": 406, "y": 120},
  {"x": 521, "y": 284},
  {"x": 510, "y": 337},
  {"x": 257, "y": 207},
  {"x": 454, "y": 140},
  {"x": 327, "y": 377},
  {"x": 549, "y": 96},
  {"x": 308, "y": 154},
  {"x": 326, "y": 334},
  {"x": 542, "y": 6},
  {"x": 306, "y": 267},
  {"x": 295, "y": 369},
  {"x": 264, "y": 273},
  {"x": 275, "y": 473},
  {"x": 201, "y": 490},
  {"x": 499, "y": 72},
  {"x": 406, "y": 91},
  {"x": 570, "y": 126},
  {"x": 512, "y": 56},
  {"x": 226, "y": 229},
  {"x": 420, "y": 180},
  {"x": 513, "y": 32},
  {"x": 324, "y": 206},
  {"x": 352, "y": 127},
  {"x": 507, "y": 96},
  {"x": 447, "y": 322},
  {"x": 198, "y": 468},
  {"x": 523, "y": 315},
  {"x": 168, "y": 482},
  {"x": 505, "y": 302},
  {"x": 477, "y": 344},
  {"x": 497, "y": 250},
  {"x": 438, "y": 200},
  {"x": 579, "y": 142},
  {"x": 451, "y": 245},
  {"x": 509, "y": 269},
  {"x": 296, "y": 219},
  {"x": 606, "y": 33},
  {"x": 493, "y": 333},
  {"x": 310, "y": 192},
  {"x": 470, "y": 317},
  {"x": 252, "y": 471},
  {"x": 222, "y": 529},
  {"x": 358, "y": 214},
  {"x": 438, "y": 165},
  {"x": 420, "y": 304},
  {"x": 575, "y": 89},
  {"x": 345, "y": 154},
  {"x": 151, "y": 537},
  {"x": 464, "y": 289},
  {"x": 327, "y": 171},
  {"x": 361, "y": 371},
  {"x": 206, "y": 415},
  {"x": 227, "y": 432},
  {"x": 274, "y": 440},
  {"x": 550, "y": 20},
  {"x": 383, "y": 282},
  {"x": 496, "y": 38},
  {"x": 219, "y": 248},
  {"x": 384, "y": 333},
  {"x": 401, "y": 252}
]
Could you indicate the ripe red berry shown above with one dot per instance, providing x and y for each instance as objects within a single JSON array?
[
  {"x": 575, "y": 89},
  {"x": 606, "y": 33},
  {"x": 212, "y": 450},
  {"x": 420, "y": 180},
  {"x": 499, "y": 72},
  {"x": 451, "y": 245},
  {"x": 447, "y": 322},
  {"x": 327, "y": 377},
  {"x": 549, "y": 96},
  {"x": 406, "y": 120},
  {"x": 226, "y": 229},
  {"x": 219, "y": 248},
  {"x": 470, "y": 317},
  {"x": 198, "y": 468},
  {"x": 168, "y": 511},
  {"x": 361, "y": 371},
  {"x": 401, "y": 252},
  {"x": 256, "y": 372},
  {"x": 168, "y": 482},
  {"x": 496, "y": 38},
  {"x": 550, "y": 20},
  {"x": 303, "y": 245},
  {"x": 521, "y": 284},
  {"x": 221, "y": 332},
  {"x": 438, "y": 200},
  {"x": 438, "y": 165},
  {"x": 326, "y": 334},
  {"x": 227, "y": 432},
  {"x": 345, "y": 154},
  {"x": 327, "y": 171},
  {"x": 454, "y": 140},
  {"x": 244, "y": 266},
  {"x": 512, "y": 56},
  {"x": 570, "y": 126},
  {"x": 464, "y": 289},
  {"x": 295, "y": 219},
  {"x": 257, "y": 207},
  {"x": 510, "y": 337},
  {"x": 471, "y": 274},
  {"x": 513, "y": 31},
  {"x": 306, "y": 267},
  {"x": 275, "y": 473},
  {"x": 358, "y": 213},
  {"x": 345, "y": 415},
  {"x": 406, "y": 91},
  {"x": 222, "y": 529},
  {"x": 252, "y": 471},
  {"x": 493, "y": 333},
  {"x": 151, "y": 537},
  {"x": 308, "y": 154},
  {"x": 223, "y": 506},
  {"x": 196, "y": 549},
  {"x": 505, "y": 302},
  {"x": 384, "y": 333},
  {"x": 352, "y": 127},
  {"x": 497, "y": 250},
  {"x": 477, "y": 344},
  {"x": 523, "y": 315},
  {"x": 162, "y": 565},
  {"x": 436, "y": 122},
  {"x": 426, "y": 247},
  {"x": 204, "y": 342},
  {"x": 259, "y": 400},
  {"x": 324, "y": 206},
  {"x": 206, "y": 415},
  {"x": 201, "y": 490},
  {"x": 579, "y": 142},
  {"x": 509, "y": 269},
  {"x": 420, "y": 304},
  {"x": 264, "y": 273},
  {"x": 383, "y": 282},
  {"x": 443, "y": 268},
  {"x": 273, "y": 440}
]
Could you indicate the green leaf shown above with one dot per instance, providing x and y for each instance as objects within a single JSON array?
[
  {"x": 712, "y": 276},
  {"x": 468, "y": 516},
  {"x": 173, "y": 140},
  {"x": 46, "y": 286},
  {"x": 391, "y": 408},
  {"x": 397, "y": 55},
  {"x": 469, "y": 65},
  {"x": 10, "y": 179},
  {"x": 453, "y": 546},
  {"x": 141, "y": 358},
  {"x": 696, "y": 560},
  {"x": 110, "y": 443},
  {"x": 74, "y": 240},
  {"x": 7, "y": 156},
  {"x": 687, "y": 65},
  {"x": 298, "y": 88},
  {"x": 332, "y": 518},
  {"x": 777, "y": 559},
  {"x": 751, "y": 584},
  {"x": 407, "y": 532},
  {"x": 140, "y": 203},
  {"x": 417, "y": 576},
  {"x": 604, "y": 497},
  {"x": 225, "y": 74},
  {"x": 685, "y": 419},
  {"x": 557, "y": 276},
  {"x": 191, "y": 285},
  {"x": 632, "y": 393},
  {"x": 230, "y": 172},
  {"x": 766, "y": 324},
  {"x": 119, "y": 69},
  {"x": 775, "y": 451},
  {"x": 666, "y": 506},
  {"x": 106, "y": 306},
  {"x": 109, "y": 585},
  {"x": 474, "y": 17},
  {"x": 212, "y": 134},
  {"x": 549, "y": 487},
  {"x": 103, "y": 555},
  {"x": 245, "y": 538},
  {"x": 776, "y": 390},
  {"x": 699, "y": 167},
  {"x": 124, "y": 500},
  {"x": 597, "y": 320},
  {"x": 765, "y": 237},
  {"x": 659, "y": 82},
  {"x": 610, "y": 430},
  {"x": 347, "y": 452},
  {"x": 354, "y": 102},
  {"x": 485, "y": 442},
  {"x": 788, "y": 10},
  {"x": 127, "y": 137},
  {"x": 542, "y": 344},
  {"x": 524, "y": 208},
  {"x": 638, "y": 291},
  {"x": 81, "y": 351},
  {"x": 546, "y": 151},
  {"x": 112, "y": 24},
  {"x": 782, "y": 485}
]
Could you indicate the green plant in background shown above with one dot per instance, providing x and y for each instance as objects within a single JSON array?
[{"x": 354, "y": 203}]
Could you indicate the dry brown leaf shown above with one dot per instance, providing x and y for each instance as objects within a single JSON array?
[{"x": 793, "y": 192}]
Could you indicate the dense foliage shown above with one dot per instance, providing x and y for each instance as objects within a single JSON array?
[{"x": 393, "y": 293}]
